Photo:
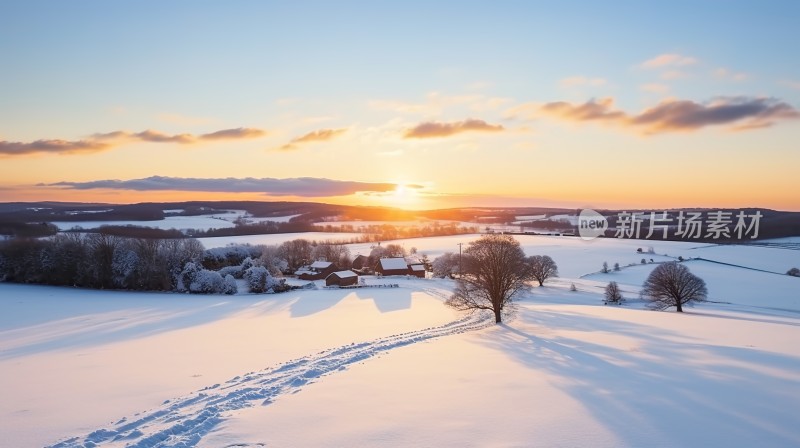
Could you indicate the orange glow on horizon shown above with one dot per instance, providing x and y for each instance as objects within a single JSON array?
[{"x": 408, "y": 198}]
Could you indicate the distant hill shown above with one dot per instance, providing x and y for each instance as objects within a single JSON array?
[{"x": 773, "y": 223}]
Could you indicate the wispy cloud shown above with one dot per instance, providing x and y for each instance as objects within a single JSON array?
[
  {"x": 738, "y": 113},
  {"x": 601, "y": 110},
  {"x": 300, "y": 186},
  {"x": 320, "y": 135},
  {"x": 668, "y": 60},
  {"x": 233, "y": 134},
  {"x": 109, "y": 140},
  {"x": 184, "y": 139},
  {"x": 432, "y": 129},
  {"x": 51, "y": 147},
  {"x": 578, "y": 81},
  {"x": 724, "y": 73}
]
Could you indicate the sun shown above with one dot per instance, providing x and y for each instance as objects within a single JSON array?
[{"x": 403, "y": 196}]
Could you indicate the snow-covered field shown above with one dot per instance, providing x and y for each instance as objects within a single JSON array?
[
  {"x": 277, "y": 238},
  {"x": 199, "y": 222},
  {"x": 394, "y": 367}
]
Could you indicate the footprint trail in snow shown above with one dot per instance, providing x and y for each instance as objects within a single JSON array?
[{"x": 183, "y": 422}]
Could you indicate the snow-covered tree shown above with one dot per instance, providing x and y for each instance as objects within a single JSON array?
[
  {"x": 207, "y": 282},
  {"x": 187, "y": 276},
  {"x": 124, "y": 267},
  {"x": 259, "y": 280},
  {"x": 229, "y": 286}
]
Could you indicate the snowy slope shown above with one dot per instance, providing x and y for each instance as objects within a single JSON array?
[
  {"x": 394, "y": 367},
  {"x": 557, "y": 375},
  {"x": 114, "y": 354}
]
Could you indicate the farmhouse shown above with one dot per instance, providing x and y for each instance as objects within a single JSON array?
[
  {"x": 341, "y": 278},
  {"x": 316, "y": 270},
  {"x": 417, "y": 270},
  {"x": 360, "y": 262},
  {"x": 392, "y": 266}
]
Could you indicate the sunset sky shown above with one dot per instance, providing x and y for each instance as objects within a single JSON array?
[{"x": 413, "y": 104}]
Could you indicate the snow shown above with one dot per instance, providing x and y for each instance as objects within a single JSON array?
[
  {"x": 320, "y": 264},
  {"x": 73, "y": 360},
  {"x": 557, "y": 375},
  {"x": 344, "y": 274},
  {"x": 394, "y": 367},
  {"x": 202, "y": 222},
  {"x": 277, "y": 238},
  {"x": 393, "y": 263},
  {"x": 417, "y": 267},
  {"x": 199, "y": 222}
]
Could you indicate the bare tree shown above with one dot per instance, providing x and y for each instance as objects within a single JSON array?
[
  {"x": 445, "y": 265},
  {"x": 296, "y": 253},
  {"x": 613, "y": 293},
  {"x": 495, "y": 270},
  {"x": 672, "y": 284},
  {"x": 333, "y": 252},
  {"x": 542, "y": 268}
]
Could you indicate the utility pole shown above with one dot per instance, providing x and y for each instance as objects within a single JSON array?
[{"x": 459, "y": 259}]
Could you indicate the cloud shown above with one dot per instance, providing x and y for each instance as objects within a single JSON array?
[
  {"x": 723, "y": 73},
  {"x": 110, "y": 140},
  {"x": 233, "y": 134},
  {"x": 600, "y": 110},
  {"x": 433, "y": 129},
  {"x": 300, "y": 186},
  {"x": 575, "y": 81},
  {"x": 314, "y": 136},
  {"x": 51, "y": 147},
  {"x": 184, "y": 139},
  {"x": 739, "y": 113},
  {"x": 668, "y": 60}
]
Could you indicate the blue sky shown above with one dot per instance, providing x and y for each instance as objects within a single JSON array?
[{"x": 371, "y": 71}]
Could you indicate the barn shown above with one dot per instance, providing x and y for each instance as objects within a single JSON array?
[
  {"x": 360, "y": 262},
  {"x": 417, "y": 270},
  {"x": 316, "y": 270},
  {"x": 341, "y": 278},
  {"x": 392, "y": 266}
]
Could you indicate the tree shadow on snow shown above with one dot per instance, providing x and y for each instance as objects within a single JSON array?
[
  {"x": 666, "y": 389},
  {"x": 124, "y": 316},
  {"x": 309, "y": 304},
  {"x": 390, "y": 300}
]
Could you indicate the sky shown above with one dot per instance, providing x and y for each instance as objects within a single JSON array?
[{"x": 413, "y": 104}]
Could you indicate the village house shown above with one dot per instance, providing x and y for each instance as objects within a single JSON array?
[
  {"x": 399, "y": 266},
  {"x": 360, "y": 262},
  {"x": 341, "y": 278},
  {"x": 317, "y": 270}
]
